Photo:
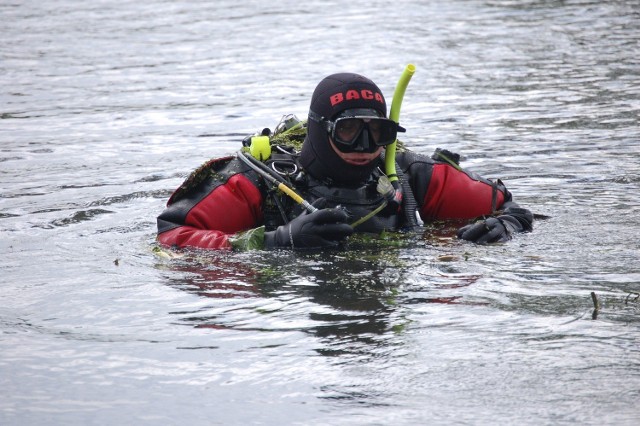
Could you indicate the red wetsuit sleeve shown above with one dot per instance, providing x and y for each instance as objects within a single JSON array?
[
  {"x": 457, "y": 194},
  {"x": 229, "y": 208}
]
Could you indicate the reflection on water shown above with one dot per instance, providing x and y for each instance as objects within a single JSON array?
[
  {"x": 106, "y": 108},
  {"x": 353, "y": 300}
]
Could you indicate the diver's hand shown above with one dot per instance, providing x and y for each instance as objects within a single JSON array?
[
  {"x": 321, "y": 229},
  {"x": 499, "y": 229},
  {"x": 492, "y": 230}
]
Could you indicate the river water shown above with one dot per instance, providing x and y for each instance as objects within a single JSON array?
[{"x": 106, "y": 106}]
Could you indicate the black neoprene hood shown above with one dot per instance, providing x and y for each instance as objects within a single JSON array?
[{"x": 334, "y": 94}]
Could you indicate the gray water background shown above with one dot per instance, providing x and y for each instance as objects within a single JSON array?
[{"x": 106, "y": 106}]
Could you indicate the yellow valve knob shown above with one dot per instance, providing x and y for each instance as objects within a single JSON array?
[{"x": 260, "y": 148}]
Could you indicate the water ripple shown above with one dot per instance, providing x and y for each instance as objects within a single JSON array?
[{"x": 107, "y": 107}]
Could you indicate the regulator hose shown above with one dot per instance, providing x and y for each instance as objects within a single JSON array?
[
  {"x": 259, "y": 168},
  {"x": 410, "y": 205}
]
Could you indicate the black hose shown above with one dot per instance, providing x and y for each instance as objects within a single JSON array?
[{"x": 410, "y": 203}]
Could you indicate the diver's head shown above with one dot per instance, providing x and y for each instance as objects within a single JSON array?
[{"x": 347, "y": 129}]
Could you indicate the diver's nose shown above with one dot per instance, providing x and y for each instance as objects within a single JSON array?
[{"x": 363, "y": 143}]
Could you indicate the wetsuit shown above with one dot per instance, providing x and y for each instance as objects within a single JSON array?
[{"x": 225, "y": 197}]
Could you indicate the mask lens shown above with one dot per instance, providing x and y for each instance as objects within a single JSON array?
[
  {"x": 384, "y": 131},
  {"x": 347, "y": 130}
]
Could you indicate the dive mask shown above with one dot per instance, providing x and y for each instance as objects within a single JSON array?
[{"x": 359, "y": 129}]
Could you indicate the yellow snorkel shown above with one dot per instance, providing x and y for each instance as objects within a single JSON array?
[{"x": 394, "y": 114}]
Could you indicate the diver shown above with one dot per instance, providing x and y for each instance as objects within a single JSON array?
[{"x": 338, "y": 172}]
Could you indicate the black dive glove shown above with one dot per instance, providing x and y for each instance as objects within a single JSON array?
[
  {"x": 320, "y": 229},
  {"x": 498, "y": 229}
]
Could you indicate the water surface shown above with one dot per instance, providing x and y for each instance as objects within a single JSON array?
[{"x": 107, "y": 106}]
